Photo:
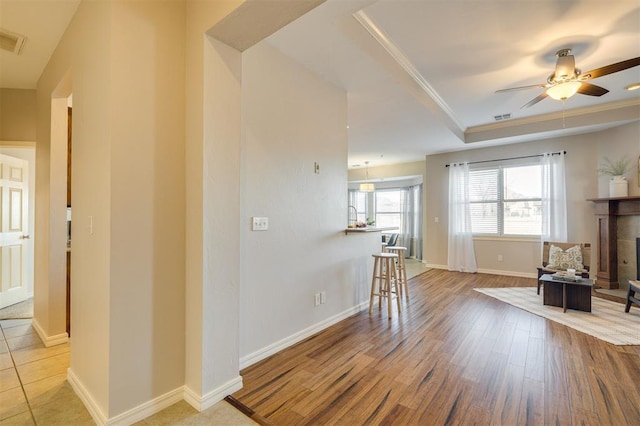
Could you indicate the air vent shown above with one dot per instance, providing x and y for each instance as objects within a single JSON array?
[
  {"x": 502, "y": 117},
  {"x": 11, "y": 42}
]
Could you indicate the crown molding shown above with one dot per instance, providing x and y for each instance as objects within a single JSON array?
[
  {"x": 570, "y": 121},
  {"x": 554, "y": 116},
  {"x": 401, "y": 59}
]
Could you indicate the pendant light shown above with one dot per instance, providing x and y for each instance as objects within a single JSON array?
[{"x": 367, "y": 187}]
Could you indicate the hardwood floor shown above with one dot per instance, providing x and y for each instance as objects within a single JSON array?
[{"x": 454, "y": 356}]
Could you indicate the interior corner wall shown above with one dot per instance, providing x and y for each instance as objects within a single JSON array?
[
  {"x": 221, "y": 207},
  {"x": 292, "y": 119},
  {"x": 520, "y": 256},
  {"x": 84, "y": 49},
  {"x": 203, "y": 376},
  {"x": 17, "y": 115},
  {"x": 127, "y": 63},
  {"x": 146, "y": 189}
]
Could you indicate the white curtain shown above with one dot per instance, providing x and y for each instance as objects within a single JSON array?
[
  {"x": 554, "y": 198},
  {"x": 411, "y": 232},
  {"x": 462, "y": 255}
]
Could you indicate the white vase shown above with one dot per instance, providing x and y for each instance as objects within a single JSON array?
[{"x": 618, "y": 187}]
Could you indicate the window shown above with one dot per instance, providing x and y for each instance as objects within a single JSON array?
[
  {"x": 389, "y": 206},
  {"x": 358, "y": 200},
  {"x": 506, "y": 200}
]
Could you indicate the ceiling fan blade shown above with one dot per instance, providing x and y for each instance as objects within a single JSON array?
[
  {"x": 533, "y": 86},
  {"x": 592, "y": 89},
  {"x": 535, "y": 100},
  {"x": 610, "y": 69}
]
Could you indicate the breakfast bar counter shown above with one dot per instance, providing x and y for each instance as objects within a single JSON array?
[{"x": 368, "y": 229}]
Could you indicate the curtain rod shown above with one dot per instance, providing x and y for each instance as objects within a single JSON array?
[{"x": 511, "y": 158}]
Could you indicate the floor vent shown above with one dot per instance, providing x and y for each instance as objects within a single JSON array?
[
  {"x": 11, "y": 42},
  {"x": 502, "y": 117}
]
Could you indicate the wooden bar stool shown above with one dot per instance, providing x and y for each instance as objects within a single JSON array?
[
  {"x": 384, "y": 247},
  {"x": 401, "y": 272},
  {"x": 384, "y": 273}
]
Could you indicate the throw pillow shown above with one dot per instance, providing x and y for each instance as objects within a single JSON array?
[{"x": 565, "y": 259}]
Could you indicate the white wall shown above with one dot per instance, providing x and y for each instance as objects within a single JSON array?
[
  {"x": 212, "y": 149},
  {"x": 520, "y": 257},
  {"x": 291, "y": 119}
]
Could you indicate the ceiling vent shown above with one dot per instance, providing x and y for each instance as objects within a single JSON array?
[
  {"x": 11, "y": 42},
  {"x": 502, "y": 117}
]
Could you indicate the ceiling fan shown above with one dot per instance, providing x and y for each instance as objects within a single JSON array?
[{"x": 567, "y": 80}]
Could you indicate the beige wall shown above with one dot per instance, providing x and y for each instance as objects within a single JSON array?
[
  {"x": 128, "y": 195},
  {"x": 520, "y": 257},
  {"x": 17, "y": 115},
  {"x": 146, "y": 180},
  {"x": 85, "y": 49}
]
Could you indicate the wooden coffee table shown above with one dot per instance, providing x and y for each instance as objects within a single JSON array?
[{"x": 567, "y": 294}]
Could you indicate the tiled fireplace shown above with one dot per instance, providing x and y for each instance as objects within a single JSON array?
[
  {"x": 618, "y": 221},
  {"x": 628, "y": 234}
]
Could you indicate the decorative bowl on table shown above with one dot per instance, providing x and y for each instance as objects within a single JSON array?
[{"x": 563, "y": 276}]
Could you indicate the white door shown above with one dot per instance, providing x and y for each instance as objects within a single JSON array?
[{"x": 14, "y": 230}]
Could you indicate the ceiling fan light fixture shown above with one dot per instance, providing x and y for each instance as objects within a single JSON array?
[{"x": 562, "y": 91}]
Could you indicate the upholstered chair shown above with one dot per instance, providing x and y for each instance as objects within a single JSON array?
[{"x": 558, "y": 256}]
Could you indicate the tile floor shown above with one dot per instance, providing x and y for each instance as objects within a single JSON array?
[
  {"x": 33, "y": 385},
  {"x": 34, "y": 388},
  {"x": 415, "y": 267}
]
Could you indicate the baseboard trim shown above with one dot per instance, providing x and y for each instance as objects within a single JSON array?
[
  {"x": 93, "y": 408},
  {"x": 201, "y": 403},
  {"x": 148, "y": 408},
  {"x": 129, "y": 417},
  {"x": 48, "y": 341},
  {"x": 509, "y": 273},
  {"x": 435, "y": 266},
  {"x": 273, "y": 348},
  {"x": 492, "y": 271}
]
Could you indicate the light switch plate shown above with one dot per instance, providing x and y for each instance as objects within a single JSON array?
[{"x": 260, "y": 223}]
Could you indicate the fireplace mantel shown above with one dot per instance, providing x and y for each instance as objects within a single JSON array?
[
  {"x": 606, "y": 211},
  {"x": 617, "y": 206}
]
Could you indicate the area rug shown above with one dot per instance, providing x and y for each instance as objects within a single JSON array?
[
  {"x": 607, "y": 320},
  {"x": 18, "y": 311}
]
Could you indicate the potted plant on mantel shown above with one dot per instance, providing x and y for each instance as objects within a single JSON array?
[{"x": 618, "y": 184}]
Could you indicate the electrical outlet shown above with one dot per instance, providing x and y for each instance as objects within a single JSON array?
[
  {"x": 316, "y": 299},
  {"x": 260, "y": 223},
  {"x": 323, "y": 297},
  {"x": 316, "y": 168},
  {"x": 499, "y": 258}
]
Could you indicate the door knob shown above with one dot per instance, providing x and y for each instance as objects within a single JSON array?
[{"x": 25, "y": 237}]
